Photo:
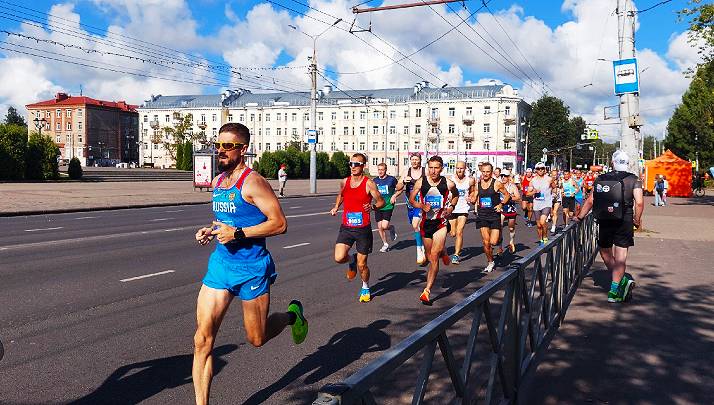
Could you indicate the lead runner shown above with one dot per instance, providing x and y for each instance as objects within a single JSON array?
[{"x": 246, "y": 212}]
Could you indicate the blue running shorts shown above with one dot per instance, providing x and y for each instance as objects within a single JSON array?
[
  {"x": 246, "y": 280},
  {"x": 413, "y": 213}
]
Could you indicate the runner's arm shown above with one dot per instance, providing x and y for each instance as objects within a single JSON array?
[
  {"x": 338, "y": 199},
  {"x": 413, "y": 194},
  {"x": 203, "y": 235},
  {"x": 639, "y": 206},
  {"x": 372, "y": 190},
  {"x": 454, "y": 194},
  {"x": 506, "y": 194},
  {"x": 516, "y": 195}
]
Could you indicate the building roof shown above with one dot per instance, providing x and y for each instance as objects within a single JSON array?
[
  {"x": 329, "y": 96},
  {"x": 63, "y": 99}
]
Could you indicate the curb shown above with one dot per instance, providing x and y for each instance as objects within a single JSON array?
[{"x": 124, "y": 207}]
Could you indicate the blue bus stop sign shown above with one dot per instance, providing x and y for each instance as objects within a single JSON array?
[{"x": 627, "y": 77}]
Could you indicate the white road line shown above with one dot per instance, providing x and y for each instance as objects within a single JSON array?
[
  {"x": 160, "y": 219},
  {"x": 297, "y": 206},
  {"x": 43, "y": 229},
  {"x": 146, "y": 276},
  {"x": 172, "y": 229},
  {"x": 174, "y": 211},
  {"x": 298, "y": 245},
  {"x": 85, "y": 218}
]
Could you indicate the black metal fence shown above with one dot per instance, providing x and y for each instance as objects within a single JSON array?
[{"x": 519, "y": 311}]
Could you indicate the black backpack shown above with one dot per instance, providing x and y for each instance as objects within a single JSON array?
[{"x": 609, "y": 196}]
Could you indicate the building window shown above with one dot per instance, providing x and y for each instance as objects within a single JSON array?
[
  {"x": 146, "y": 118},
  {"x": 69, "y": 138},
  {"x": 241, "y": 118},
  {"x": 417, "y": 129},
  {"x": 215, "y": 132},
  {"x": 362, "y": 131},
  {"x": 468, "y": 129},
  {"x": 392, "y": 146},
  {"x": 319, "y": 116},
  {"x": 79, "y": 112},
  {"x": 406, "y": 146},
  {"x": 203, "y": 118},
  {"x": 346, "y": 145},
  {"x": 68, "y": 113},
  {"x": 487, "y": 109},
  {"x": 375, "y": 130},
  {"x": 267, "y": 146},
  {"x": 508, "y": 129},
  {"x": 333, "y": 146},
  {"x": 333, "y": 115},
  {"x": 406, "y": 113},
  {"x": 79, "y": 138},
  {"x": 294, "y": 131},
  {"x": 452, "y": 112},
  {"x": 375, "y": 161},
  {"x": 506, "y": 145},
  {"x": 267, "y": 117},
  {"x": 79, "y": 125},
  {"x": 468, "y": 145},
  {"x": 406, "y": 130},
  {"x": 452, "y": 129},
  {"x": 392, "y": 130},
  {"x": 230, "y": 117},
  {"x": 486, "y": 128},
  {"x": 58, "y": 113},
  {"x": 362, "y": 115},
  {"x": 267, "y": 131},
  {"x": 346, "y": 115},
  {"x": 47, "y": 114},
  {"x": 252, "y": 117},
  {"x": 278, "y": 145},
  {"x": 306, "y": 117},
  {"x": 375, "y": 145},
  {"x": 320, "y": 131},
  {"x": 508, "y": 110},
  {"x": 362, "y": 146},
  {"x": 451, "y": 145},
  {"x": 58, "y": 139},
  {"x": 418, "y": 113},
  {"x": 487, "y": 145},
  {"x": 345, "y": 131},
  {"x": 417, "y": 145},
  {"x": 469, "y": 111},
  {"x": 392, "y": 114},
  {"x": 333, "y": 131},
  {"x": 294, "y": 116},
  {"x": 58, "y": 127},
  {"x": 406, "y": 161},
  {"x": 434, "y": 113},
  {"x": 167, "y": 118},
  {"x": 376, "y": 115},
  {"x": 214, "y": 118},
  {"x": 278, "y": 131}
]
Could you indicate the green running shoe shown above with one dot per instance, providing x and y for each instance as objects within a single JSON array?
[
  {"x": 614, "y": 296},
  {"x": 299, "y": 328},
  {"x": 626, "y": 286}
]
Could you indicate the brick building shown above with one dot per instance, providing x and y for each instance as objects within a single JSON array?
[{"x": 94, "y": 131}]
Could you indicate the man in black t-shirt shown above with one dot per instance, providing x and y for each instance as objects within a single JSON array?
[{"x": 616, "y": 236}]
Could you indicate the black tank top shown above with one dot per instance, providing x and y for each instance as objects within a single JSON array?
[
  {"x": 435, "y": 196},
  {"x": 409, "y": 185},
  {"x": 488, "y": 199}
]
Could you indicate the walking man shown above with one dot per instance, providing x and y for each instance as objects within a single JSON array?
[
  {"x": 465, "y": 185},
  {"x": 487, "y": 196},
  {"x": 617, "y": 203},
  {"x": 541, "y": 189},
  {"x": 386, "y": 185},
  {"x": 406, "y": 183},
  {"x": 357, "y": 193},
  {"x": 282, "y": 178},
  {"x": 436, "y": 206},
  {"x": 246, "y": 212}
]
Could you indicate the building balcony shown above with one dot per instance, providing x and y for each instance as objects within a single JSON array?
[
  {"x": 467, "y": 119},
  {"x": 509, "y": 137},
  {"x": 434, "y": 121},
  {"x": 202, "y": 125},
  {"x": 432, "y": 137},
  {"x": 467, "y": 136}
]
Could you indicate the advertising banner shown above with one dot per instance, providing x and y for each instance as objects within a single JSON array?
[{"x": 202, "y": 170}]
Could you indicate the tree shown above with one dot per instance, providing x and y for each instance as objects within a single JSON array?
[
  {"x": 578, "y": 126},
  {"x": 550, "y": 127},
  {"x": 648, "y": 147},
  {"x": 179, "y": 134},
  {"x": 13, "y": 117},
  {"x": 188, "y": 156},
  {"x": 340, "y": 162},
  {"x": 75, "y": 169},
  {"x": 691, "y": 127},
  {"x": 701, "y": 28},
  {"x": 41, "y": 158},
  {"x": 13, "y": 150},
  {"x": 179, "y": 156}
]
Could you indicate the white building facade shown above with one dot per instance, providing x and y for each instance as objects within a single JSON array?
[{"x": 474, "y": 124}]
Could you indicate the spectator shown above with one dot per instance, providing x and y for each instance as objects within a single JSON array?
[
  {"x": 658, "y": 190},
  {"x": 664, "y": 192},
  {"x": 282, "y": 178}
]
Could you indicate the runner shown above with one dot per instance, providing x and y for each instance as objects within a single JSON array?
[
  {"x": 557, "y": 200},
  {"x": 509, "y": 210},
  {"x": 246, "y": 212},
  {"x": 541, "y": 188},
  {"x": 458, "y": 217},
  {"x": 579, "y": 194},
  {"x": 569, "y": 188},
  {"x": 357, "y": 192},
  {"x": 488, "y": 216},
  {"x": 386, "y": 185},
  {"x": 436, "y": 206},
  {"x": 527, "y": 200},
  {"x": 406, "y": 183},
  {"x": 589, "y": 181}
]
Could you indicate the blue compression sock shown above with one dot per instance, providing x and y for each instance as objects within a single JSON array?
[
  {"x": 417, "y": 237},
  {"x": 614, "y": 287}
]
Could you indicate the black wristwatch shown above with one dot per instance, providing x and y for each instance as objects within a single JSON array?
[{"x": 239, "y": 234}]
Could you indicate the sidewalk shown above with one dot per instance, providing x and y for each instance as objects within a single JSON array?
[
  {"x": 657, "y": 349},
  {"x": 68, "y": 196}
]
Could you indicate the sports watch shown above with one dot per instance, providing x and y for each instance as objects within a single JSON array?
[{"x": 239, "y": 234}]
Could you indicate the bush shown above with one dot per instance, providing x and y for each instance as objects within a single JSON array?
[
  {"x": 41, "y": 158},
  {"x": 13, "y": 150},
  {"x": 340, "y": 162},
  {"x": 75, "y": 169}
]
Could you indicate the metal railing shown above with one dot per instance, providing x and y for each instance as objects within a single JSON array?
[{"x": 529, "y": 299}]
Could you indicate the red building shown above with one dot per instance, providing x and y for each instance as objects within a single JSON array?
[{"x": 94, "y": 131}]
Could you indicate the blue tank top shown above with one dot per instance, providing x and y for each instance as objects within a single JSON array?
[
  {"x": 568, "y": 188},
  {"x": 230, "y": 208},
  {"x": 579, "y": 195}
]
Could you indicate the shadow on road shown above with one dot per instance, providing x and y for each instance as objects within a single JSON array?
[
  {"x": 403, "y": 244},
  {"x": 134, "y": 383},
  {"x": 395, "y": 281},
  {"x": 341, "y": 350}
]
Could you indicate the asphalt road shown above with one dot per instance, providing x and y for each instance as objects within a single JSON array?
[{"x": 99, "y": 307}]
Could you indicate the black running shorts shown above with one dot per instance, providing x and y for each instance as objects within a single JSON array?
[
  {"x": 430, "y": 226},
  {"x": 385, "y": 215},
  {"x": 488, "y": 223},
  {"x": 569, "y": 203},
  {"x": 528, "y": 199},
  {"x": 362, "y": 237},
  {"x": 618, "y": 233}
]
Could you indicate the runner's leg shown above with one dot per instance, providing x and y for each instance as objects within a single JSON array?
[
  {"x": 434, "y": 248},
  {"x": 259, "y": 327},
  {"x": 382, "y": 227},
  {"x": 342, "y": 252},
  {"x": 362, "y": 267},
  {"x": 487, "y": 249},
  {"x": 460, "y": 224}
]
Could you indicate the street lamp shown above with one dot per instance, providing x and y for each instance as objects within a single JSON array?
[{"x": 39, "y": 123}]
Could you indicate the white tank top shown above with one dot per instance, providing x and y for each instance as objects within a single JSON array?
[{"x": 462, "y": 206}]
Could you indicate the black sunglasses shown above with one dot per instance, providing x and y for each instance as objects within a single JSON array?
[
  {"x": 227, "y": 146},
  {"x": 356, "y": 164}
]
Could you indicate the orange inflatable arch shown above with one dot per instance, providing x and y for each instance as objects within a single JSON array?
[{"x": 676, "y": 170}]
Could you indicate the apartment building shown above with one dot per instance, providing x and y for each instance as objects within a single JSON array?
[
  {"x": 94, "y": 131},
  {"x": 472, "y": 123}
]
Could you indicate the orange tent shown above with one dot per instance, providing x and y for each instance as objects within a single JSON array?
[{"x": 676, "y": 170}]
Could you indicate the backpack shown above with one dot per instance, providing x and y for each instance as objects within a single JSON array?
[
  {"x": 609, "y": 196},
  {"x": 660, "y": 186}
]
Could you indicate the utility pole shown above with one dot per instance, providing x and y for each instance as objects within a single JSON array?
[
  {"x": 313, "y": 121},
  {"x": 629, "y": 102}
]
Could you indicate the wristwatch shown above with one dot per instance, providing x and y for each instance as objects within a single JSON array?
[{"x": 239, "y": 234}]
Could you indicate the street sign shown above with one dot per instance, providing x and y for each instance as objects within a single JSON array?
[
  {"x": 627, "y": 77},
  {"x": 590, "y": 134},
  {"x": 311, "y": 136}
]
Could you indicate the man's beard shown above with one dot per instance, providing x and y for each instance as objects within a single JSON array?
[{"x": 227, "y": 166}]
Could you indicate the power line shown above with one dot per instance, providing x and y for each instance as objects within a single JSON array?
[{"x": 653, "y": 6}]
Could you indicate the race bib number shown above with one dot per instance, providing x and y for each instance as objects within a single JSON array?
[
  {"x": 485, "y": 202},
  {"x": 383, "y": 189},
  {"x": 462, "y": 192},
  {"x": 354, "y": 219},
  {"x": 434, "y": 200},
  {"x": 539, "y": 197}
]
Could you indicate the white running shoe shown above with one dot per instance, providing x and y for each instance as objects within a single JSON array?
[
  {"x": 490, "y": 267},
  {"x": 384, "y": 248},
  {"x": 394, "y": 233},
  {"x": 552, "y": 229},
  {"x": 421, "y": 257}
]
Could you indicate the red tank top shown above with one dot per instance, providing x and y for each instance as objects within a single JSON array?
[{"x": 354, "y": 215}]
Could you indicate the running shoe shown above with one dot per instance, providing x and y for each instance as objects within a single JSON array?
[
  {"x": 552, "y": 229},
  {"x": 364, "y": 295},
  {"x": 394, "y": 233},
  {"x": 424, "y": 297},
  {"x": 445, "y": 258},
  {"x": 512, "y": 247},
  {"x": 490, "y": 267},
  {"x": 529, "y": 224},
  {"x": 421, "y": 257},
  {"x": 455, "y": 259},
  {"x": 541, "y": 243},
  {"x": 545, "y": 241},
  {"x": 385, "y": 248},
  {"x": 299, "y": 328},
  {"x": 626, "y": 286},
  {"x": 352, "y": 269},
  {"x": 614, "y": 296}
]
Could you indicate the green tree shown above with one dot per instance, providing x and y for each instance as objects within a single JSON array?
[
  {"x": 691, "y": 127},
  {"x": 13, "y": 117},
  {"x": 13, "y": 150},
  {"x": 340, "y": 162},
  {"x": 550, "y": 127},
  {"x": 41, "y": 158},
  {"x": 578, "y": 126},
  {"x": 179, "y": 156},
  {"x": 75, "y": 169},
  {"x": 700, "y": 16},
  {"x": 324, "y": 169},
  {"x": 188, "y": 156},
  {"x": 180, "y": 133}
]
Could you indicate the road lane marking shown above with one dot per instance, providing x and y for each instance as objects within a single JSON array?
[
  {"x": 146, "y": 276},
  {"x": 44, "y": 229},
  {"x": 160, "y": 219},
  {"x": 86, "y": 218},
  {"x": 174, "y": 211},
  {"x": 297, "y": 206},
  {"x": 298, "y": 245},
  {"x": 172, "y": 229}
]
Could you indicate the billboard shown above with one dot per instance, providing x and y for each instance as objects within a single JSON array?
[
  {"x": 627, "y": 77},
  {"x": 202, "y": 170}
]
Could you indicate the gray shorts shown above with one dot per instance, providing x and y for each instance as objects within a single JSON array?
[{"x": 544, "y": 212}]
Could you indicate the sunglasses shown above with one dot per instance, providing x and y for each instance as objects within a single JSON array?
[
  {"x": 356, "y": 164},
  {"x": 504, "y": 175},
  {"x": 227, "y": 146},
  {"x": 540, "y": 168}
]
